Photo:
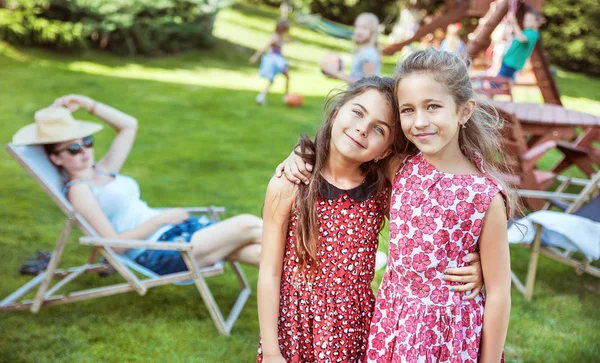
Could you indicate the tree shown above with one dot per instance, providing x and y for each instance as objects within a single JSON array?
[{"x": 572, "y": 34}]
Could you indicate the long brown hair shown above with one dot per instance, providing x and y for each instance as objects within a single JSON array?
[
  {"x": 317, "y": 153},
  {"x": 482, "y": 132}
]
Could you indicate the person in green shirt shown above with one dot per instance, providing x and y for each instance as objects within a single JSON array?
[{"x": 522, "y": 44}]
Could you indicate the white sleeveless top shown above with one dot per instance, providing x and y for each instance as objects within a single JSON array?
[{"x": 120, "y": 201}]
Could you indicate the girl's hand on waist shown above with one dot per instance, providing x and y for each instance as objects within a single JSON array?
[
  {"x": 470, "y": 276},
  {"x": 295, "y": 169},
  {"x": 173, "y": 216}
]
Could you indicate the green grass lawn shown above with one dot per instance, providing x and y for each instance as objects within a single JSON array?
[{"x": 203, "y": 141}]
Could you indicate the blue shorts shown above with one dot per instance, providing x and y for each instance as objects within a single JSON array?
[
  {"x": 166, "y": 262},
  {"x": 272, "y": 64},
  {"x": 507, "y": 72}
]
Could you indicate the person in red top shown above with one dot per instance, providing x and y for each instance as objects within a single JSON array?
[{"x": 315, "y": 299}]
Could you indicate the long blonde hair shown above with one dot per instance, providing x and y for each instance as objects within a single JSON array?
[{"x": 482, "y": 132}]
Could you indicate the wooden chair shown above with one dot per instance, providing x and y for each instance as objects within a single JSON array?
[
  {"x": 586, "y": 204},
  {"x": 35, "y": 161},
  {"x": 523, "y": 173}
]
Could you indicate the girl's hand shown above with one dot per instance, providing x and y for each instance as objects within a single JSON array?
[
  {"x": 470, "y": 276},
  {"x": 74, "y": 102},
  {"x": 253, "y": 59},
  {"x": 295, "y": 169},
  {"x": 173, "y": 216},
  {"x": 273, "y": 358}
]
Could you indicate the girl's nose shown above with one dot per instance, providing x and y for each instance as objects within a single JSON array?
[
  {"x": 421, "y": 120},
  {"x": 361, "y": 129}
]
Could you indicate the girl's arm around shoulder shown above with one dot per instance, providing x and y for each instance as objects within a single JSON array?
[
  {"x": 280, "y": 196},
  {"x": 495, "y": 264},
  {"x": 276, "y": 213}
]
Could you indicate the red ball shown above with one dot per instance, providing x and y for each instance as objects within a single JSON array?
[{"x": 293, "y": 100}]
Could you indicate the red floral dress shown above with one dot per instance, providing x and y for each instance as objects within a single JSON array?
[
  {"x": 435, "y": 221},
  {"x": 328, "y": 318}
]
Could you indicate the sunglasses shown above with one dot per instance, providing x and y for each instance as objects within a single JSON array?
[{"x": 76, "y": 148}]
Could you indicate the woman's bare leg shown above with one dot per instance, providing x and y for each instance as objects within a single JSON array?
[
  {"x": 237, "y": 238},
  {"x": 249, "y": 254}
]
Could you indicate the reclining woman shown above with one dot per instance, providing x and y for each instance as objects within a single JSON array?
[{"x": 110, "y": 202}]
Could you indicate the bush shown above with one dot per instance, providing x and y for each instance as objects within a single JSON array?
[
  {"x": 343, "y": 11},
  {"x": 572, "y": 35},
  {"x": 126, "y": 27},
  {"x": 23, "y": 23},
  {"x": 346, "y": 11}
]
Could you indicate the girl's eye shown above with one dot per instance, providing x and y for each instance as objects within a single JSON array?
[
  {"x": 358, "y": 113},
  {"x": 379, "y": 130},
  {"x": 433, "y": 106},
  {"x": 406, "y": 110}
]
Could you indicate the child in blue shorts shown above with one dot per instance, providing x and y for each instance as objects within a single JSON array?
[{"x": 272, "y": 61}]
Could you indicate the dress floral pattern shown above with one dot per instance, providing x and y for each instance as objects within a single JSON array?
[
  {"x": 435, "y": 221},
  {"x": 327, "y": 319}
]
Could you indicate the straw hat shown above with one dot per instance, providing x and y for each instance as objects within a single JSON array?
[{"x": 53, "y": 125}]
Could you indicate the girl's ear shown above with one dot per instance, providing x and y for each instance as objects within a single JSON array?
[
  {"x": 466, "y": 111},
  {"x": 54, "y": 159},
  {"x": 385, "y": 154}
]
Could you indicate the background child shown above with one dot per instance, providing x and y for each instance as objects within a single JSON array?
[
  {"x": 366, "y": 60},
  {"x": 446, "y": 203},
  {"x": 523, "y": 42},
  {"x": 315, "y": 300},
  {"x": 452, "y": 42},
  {"x": 272, "y": 61}
]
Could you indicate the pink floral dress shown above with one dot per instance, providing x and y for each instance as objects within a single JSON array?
[
  {"x": 435, "y": 221},
  {"x": 327, "y": 319}
]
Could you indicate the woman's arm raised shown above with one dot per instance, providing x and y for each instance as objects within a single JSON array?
[{"x": 124, "y": 124}]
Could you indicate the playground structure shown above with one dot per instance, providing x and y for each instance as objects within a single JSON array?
[{"x": 457, "y": 10}]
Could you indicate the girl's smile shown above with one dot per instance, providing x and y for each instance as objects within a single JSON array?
[
  {"x": 353, "y": 141},
  {"x": 425, "y": 137}
]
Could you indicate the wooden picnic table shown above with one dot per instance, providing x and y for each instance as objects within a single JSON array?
[
  {"x": 544, "y": 122},
  {"x": 534, "y": 129}
]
